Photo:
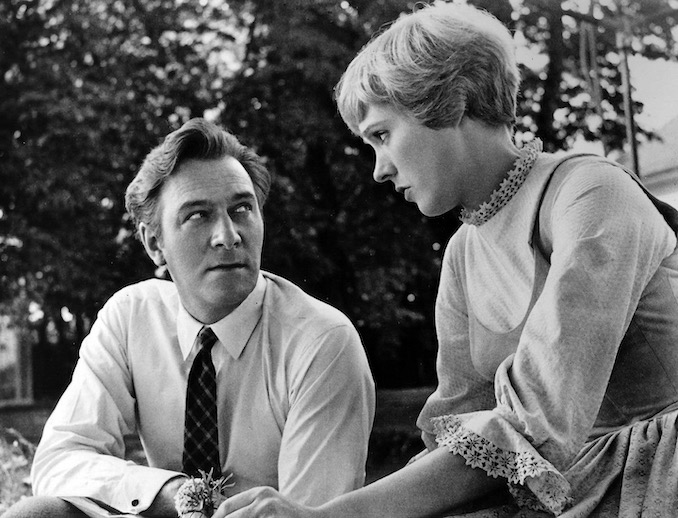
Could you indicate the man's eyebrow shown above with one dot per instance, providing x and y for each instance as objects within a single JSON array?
[
  {"x": 234, "y": 197},
  {"x": 191, "y": 204},
  {"x": 243, "y": 195}
]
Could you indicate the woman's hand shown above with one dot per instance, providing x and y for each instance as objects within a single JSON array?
[{"x": 262, "y": 502}]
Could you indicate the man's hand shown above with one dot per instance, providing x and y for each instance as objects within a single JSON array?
[{"x": 163, "y": 505}]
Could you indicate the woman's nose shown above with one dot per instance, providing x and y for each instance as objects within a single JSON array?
[
  {"x": 383, "y": 170},
  {"x": 225, "y": 233}
]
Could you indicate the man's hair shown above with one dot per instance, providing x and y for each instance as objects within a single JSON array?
[
  {"x": 436, "y": 64},
  {"x": 196, "y": 139}
]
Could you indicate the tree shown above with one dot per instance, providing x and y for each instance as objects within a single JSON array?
[
  {"x": 578, "y": 93},
  {"x": 87, "y": 87}
]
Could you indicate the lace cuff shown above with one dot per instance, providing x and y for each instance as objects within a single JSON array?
[{"x": 548, "y": 489}]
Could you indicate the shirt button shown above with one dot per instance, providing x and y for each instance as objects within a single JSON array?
[{"x": 135, "y": 502}]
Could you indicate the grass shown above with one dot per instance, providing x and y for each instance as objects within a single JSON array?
[
  {"x": 388, "y": 451},
  {"x": 16, "y": 455},
  {"x": 393, "y": 442}
]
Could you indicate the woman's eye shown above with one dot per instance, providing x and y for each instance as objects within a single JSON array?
[{"x": 380, "y": 136}]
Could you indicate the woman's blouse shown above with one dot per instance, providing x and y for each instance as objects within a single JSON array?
[{"x": 557, "y": 322}]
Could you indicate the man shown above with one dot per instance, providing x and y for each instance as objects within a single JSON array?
[{"x": 294, "y": 394}]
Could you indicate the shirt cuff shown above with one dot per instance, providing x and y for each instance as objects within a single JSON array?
[{"x": 139, "y": 486}]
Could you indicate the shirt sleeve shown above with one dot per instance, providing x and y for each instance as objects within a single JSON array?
[
  {"x": 81, "y": 452},
  {"x": 332, "y": 402},
  {"x": 607, "y": 241}
]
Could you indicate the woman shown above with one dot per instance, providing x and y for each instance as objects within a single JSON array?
[{"x": 557, "y": 313}]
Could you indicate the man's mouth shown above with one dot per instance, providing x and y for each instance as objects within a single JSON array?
[{"x": 226, "y": 266}]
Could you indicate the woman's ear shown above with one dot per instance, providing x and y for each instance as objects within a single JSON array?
[{"x": 152, "y": 244}]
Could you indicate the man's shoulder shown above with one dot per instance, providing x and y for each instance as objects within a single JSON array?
[
  {"x": 300, "y": 326},
  {"x": 290, "y": 304},
  {"x": 150, "y": 290}
]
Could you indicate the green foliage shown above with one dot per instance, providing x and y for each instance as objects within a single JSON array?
[
  {"x": 561, "y": 101},
  {"x": 87, "y": 87},
  {"x": 16, "y": 456}
]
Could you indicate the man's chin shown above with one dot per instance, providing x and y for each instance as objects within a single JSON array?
[{"x": 233, "y": 292}]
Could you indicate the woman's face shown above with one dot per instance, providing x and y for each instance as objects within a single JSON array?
[{"x": 427, "y": 166}]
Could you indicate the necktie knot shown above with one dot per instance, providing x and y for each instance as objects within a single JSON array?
[{"x": 206, "y": 339}]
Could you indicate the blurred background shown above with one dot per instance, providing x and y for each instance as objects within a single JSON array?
[{"x": 88, "y": 87}]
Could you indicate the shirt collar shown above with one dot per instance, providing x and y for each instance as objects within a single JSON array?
[{"x": 233, "y": 331}]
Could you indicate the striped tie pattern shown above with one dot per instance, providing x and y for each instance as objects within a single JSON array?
[{"x": 201, "y": 432}]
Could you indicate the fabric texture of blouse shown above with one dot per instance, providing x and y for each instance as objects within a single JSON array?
[
  {"x": 295, "y": 398},
  {"x": 557, "y": 323}
]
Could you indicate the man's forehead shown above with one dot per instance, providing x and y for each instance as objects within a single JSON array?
[
  {"x": 225, "y": 167},
  {"x": 209, "y": 179}
]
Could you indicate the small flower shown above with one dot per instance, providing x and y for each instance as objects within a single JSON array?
[{"x": 199, "y": 497}]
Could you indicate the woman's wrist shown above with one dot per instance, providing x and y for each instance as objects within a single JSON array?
[{"x": 339, "y": 507}]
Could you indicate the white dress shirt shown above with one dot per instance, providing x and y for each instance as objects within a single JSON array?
[{"x": 295, "y": 398}]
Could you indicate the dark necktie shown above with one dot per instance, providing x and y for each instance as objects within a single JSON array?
[{"x": 201, "y": 432}]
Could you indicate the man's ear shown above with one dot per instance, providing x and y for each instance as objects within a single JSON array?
[{"x": 152, "y": 244}]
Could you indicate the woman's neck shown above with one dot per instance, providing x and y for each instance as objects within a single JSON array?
[{"x": 495, "y": 155}]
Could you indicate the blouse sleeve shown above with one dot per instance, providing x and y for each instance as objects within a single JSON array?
[
  {"x": 461, "y": 389},
  {"x": 607, "y": 241}
]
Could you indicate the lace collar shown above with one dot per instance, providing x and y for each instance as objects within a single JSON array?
[{"x": 509, "y": 186}]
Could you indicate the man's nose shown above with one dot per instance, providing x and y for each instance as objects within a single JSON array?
[
  {"x": 383, "y": 169},
  {"x": 225, "y": 233}
]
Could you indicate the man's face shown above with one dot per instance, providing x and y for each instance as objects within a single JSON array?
[{"x": 212, "y": 233}]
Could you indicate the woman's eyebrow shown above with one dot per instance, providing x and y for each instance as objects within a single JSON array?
[{"x": 365, "y": 133}]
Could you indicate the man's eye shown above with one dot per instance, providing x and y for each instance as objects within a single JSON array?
[
  {"x": 243, "y": 207},
  {"x": 196, "y": 215}
]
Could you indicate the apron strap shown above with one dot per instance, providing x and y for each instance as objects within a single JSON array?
[{"x": 668, "y": 212}]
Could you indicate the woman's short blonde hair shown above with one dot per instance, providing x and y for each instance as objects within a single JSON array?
[{"x": 437, "y": 64}]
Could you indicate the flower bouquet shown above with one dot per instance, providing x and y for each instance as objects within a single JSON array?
[{"x": 200, "y": 497}]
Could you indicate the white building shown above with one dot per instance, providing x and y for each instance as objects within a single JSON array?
[
  {"x": 658, "y": 163},
  {"x": 16, "y": 377}
]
